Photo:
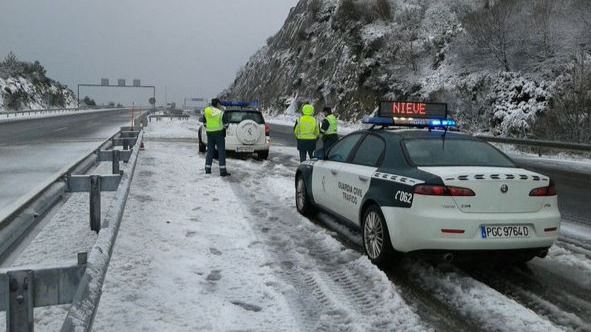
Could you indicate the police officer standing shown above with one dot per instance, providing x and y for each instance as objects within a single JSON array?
[
  {"x": 306, "y": 131},
  {"x": 329, "y": 129},
  {"x": 216, "y": 136}
]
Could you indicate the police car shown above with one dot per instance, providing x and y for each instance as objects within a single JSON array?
[
  {"x": 412, "y": 185},
  {"x": 246, "y": 132}
]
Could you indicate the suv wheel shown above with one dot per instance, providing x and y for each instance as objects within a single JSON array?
[
  {"x": 263, "y": 155},
  {"x": 202, "y": 147}
]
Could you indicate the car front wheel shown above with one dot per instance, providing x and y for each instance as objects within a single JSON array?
[{"x": 376, "y": 238}]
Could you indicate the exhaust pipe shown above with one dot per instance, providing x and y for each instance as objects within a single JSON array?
[
  {"x": 543, "y": 253},
  {"x": 448, "y": 257}
]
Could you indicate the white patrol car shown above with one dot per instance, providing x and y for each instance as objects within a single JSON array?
[
  {"x": 424, "y": 189},
  {"x": 246, "y": 130}
]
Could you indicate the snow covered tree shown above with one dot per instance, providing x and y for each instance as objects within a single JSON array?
[{"x": 491, "y": 29}]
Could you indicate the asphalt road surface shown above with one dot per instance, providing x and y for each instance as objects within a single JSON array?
[
  {"x": 572, "y": 183},
  {"x": 33, "y": 150}
]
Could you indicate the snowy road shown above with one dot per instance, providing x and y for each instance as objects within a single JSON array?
[
  {"x": 198, "y": 253},
  {"x": 32, "y": 150},
  {"x": 241, "y": 237}
]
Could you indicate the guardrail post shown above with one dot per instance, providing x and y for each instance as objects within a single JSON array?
[
  {"x": 20, "y": 313},
  {"x": 116, "y": 159},
  {"x": 95, "y": 203}
]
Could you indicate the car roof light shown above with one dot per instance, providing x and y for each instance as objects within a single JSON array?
[
  {"x": 239, "y": 104},
  {"x": 412, "y": 114},
  {"x": 378, "y": 121}
]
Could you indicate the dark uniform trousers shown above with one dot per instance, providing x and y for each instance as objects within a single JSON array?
[
  {"x": 216, "y": 139},
  {"x": 329, "y": 140},
  {"x": 306, "y": 147}
]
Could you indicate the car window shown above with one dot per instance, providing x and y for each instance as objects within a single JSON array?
[
  {"x": 370, "y": 151},
  {"x": 342, "y": 149},
  {"x": 239, "y": 116},
  {"x": 454, "y": 152}
]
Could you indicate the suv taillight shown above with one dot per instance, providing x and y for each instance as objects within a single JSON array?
[
  {"x": 436, "y": 190},
  {"x": 267, "y": 129},
  {"x": 544, "y": 191}
]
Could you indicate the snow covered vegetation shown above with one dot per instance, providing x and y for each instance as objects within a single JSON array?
[
  {"x": 513, "y": 67},
  {"x": 24, "y": 85}
]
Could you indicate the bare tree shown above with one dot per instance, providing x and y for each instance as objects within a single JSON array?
[
  {"x": 570, "y": 116},
  {"x": 491, "y": 29},
  {"x": 543, "y": 14}
]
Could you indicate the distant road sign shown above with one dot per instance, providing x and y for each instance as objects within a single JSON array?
[
  {"x": 136, "y": 83},
  {"x": 104, "y": 81},
  {"x": 121, "y": 82},
  {"x": 197, "y": 99}
]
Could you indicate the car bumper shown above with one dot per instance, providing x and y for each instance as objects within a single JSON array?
[
  {"x": 247, "y": 148},
  {"x": 422, "y": 229}
]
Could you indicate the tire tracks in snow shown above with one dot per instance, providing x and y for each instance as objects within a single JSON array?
[
  {"x": 332, "y": 288},
  {"x": 425, "y": 286},
  {"x": 566, "y": 307}
]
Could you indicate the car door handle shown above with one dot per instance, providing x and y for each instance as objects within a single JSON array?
[
  {"x": 334, "y": 172},
  {"x": 363, "y": 178}
]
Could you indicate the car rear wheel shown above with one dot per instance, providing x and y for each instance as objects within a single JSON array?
[
  {"x": 376, "y": 238},
  {"x": 263, "y": 155},
  {"x": 303, "y": 202}
]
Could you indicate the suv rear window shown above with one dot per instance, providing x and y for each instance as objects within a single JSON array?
[
  {"x": 454, "y": 152},
  {"x": 239, "y": 116}
]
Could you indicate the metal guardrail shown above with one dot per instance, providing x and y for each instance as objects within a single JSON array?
[
  {"x": 15, "y": 114},
  {"x": 538, "y": 143},
  {"x": 22, "y": 291},
  {"x": 40, "y": 111},
  {"x": 86, "y": 301}
]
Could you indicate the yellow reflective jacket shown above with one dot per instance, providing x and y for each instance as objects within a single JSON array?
[
  {"x": 307, "y": 127},
  {"x": 213, "y": 119}
]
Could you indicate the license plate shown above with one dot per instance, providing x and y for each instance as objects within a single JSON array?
[
  {"x": 505, "y": 232},
  {"x": 245, "y": 149}
]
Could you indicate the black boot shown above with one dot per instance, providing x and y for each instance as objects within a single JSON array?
[
  {"x": 207, "y": 171},
  {"x": 224, "y": 173}
]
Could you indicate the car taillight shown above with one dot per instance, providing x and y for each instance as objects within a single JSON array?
[
  {"x": 267, "y": 129},
  {"x": 544, "y": 191},
  {"x": 457, "y": 191},
  {"x": 436, "y": 190}
]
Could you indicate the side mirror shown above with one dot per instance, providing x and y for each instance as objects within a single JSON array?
[{"x": 202, "y": 119}]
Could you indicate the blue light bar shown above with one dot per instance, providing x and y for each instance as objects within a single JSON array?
[
  {"x": 239, "y": 104},
  {"x": 410, "y": 122},
  {"x": 378, "y": 121}
]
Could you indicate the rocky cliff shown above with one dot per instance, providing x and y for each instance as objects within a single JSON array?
[{"x": 508, "y": 67}]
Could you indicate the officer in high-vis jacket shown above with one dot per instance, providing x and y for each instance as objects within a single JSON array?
[
  {"x": 329, "y": 129},
  {"x": 216, "y": 136},
  {"x": 306, "y": 131}
]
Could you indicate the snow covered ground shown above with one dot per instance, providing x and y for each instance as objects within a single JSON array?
[
  {"x": 204, "y": 253},
  {"x": 196, "y": 253}
]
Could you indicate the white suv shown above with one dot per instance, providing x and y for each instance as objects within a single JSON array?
[{"x": 246, "y": 132}]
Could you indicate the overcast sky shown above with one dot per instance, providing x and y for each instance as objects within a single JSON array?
[{"x": 192, "y": 47}]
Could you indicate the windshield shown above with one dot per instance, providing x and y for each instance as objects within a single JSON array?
[
  {"x": 454, "y": 152},
  {"x": 239, "y": 116}
]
